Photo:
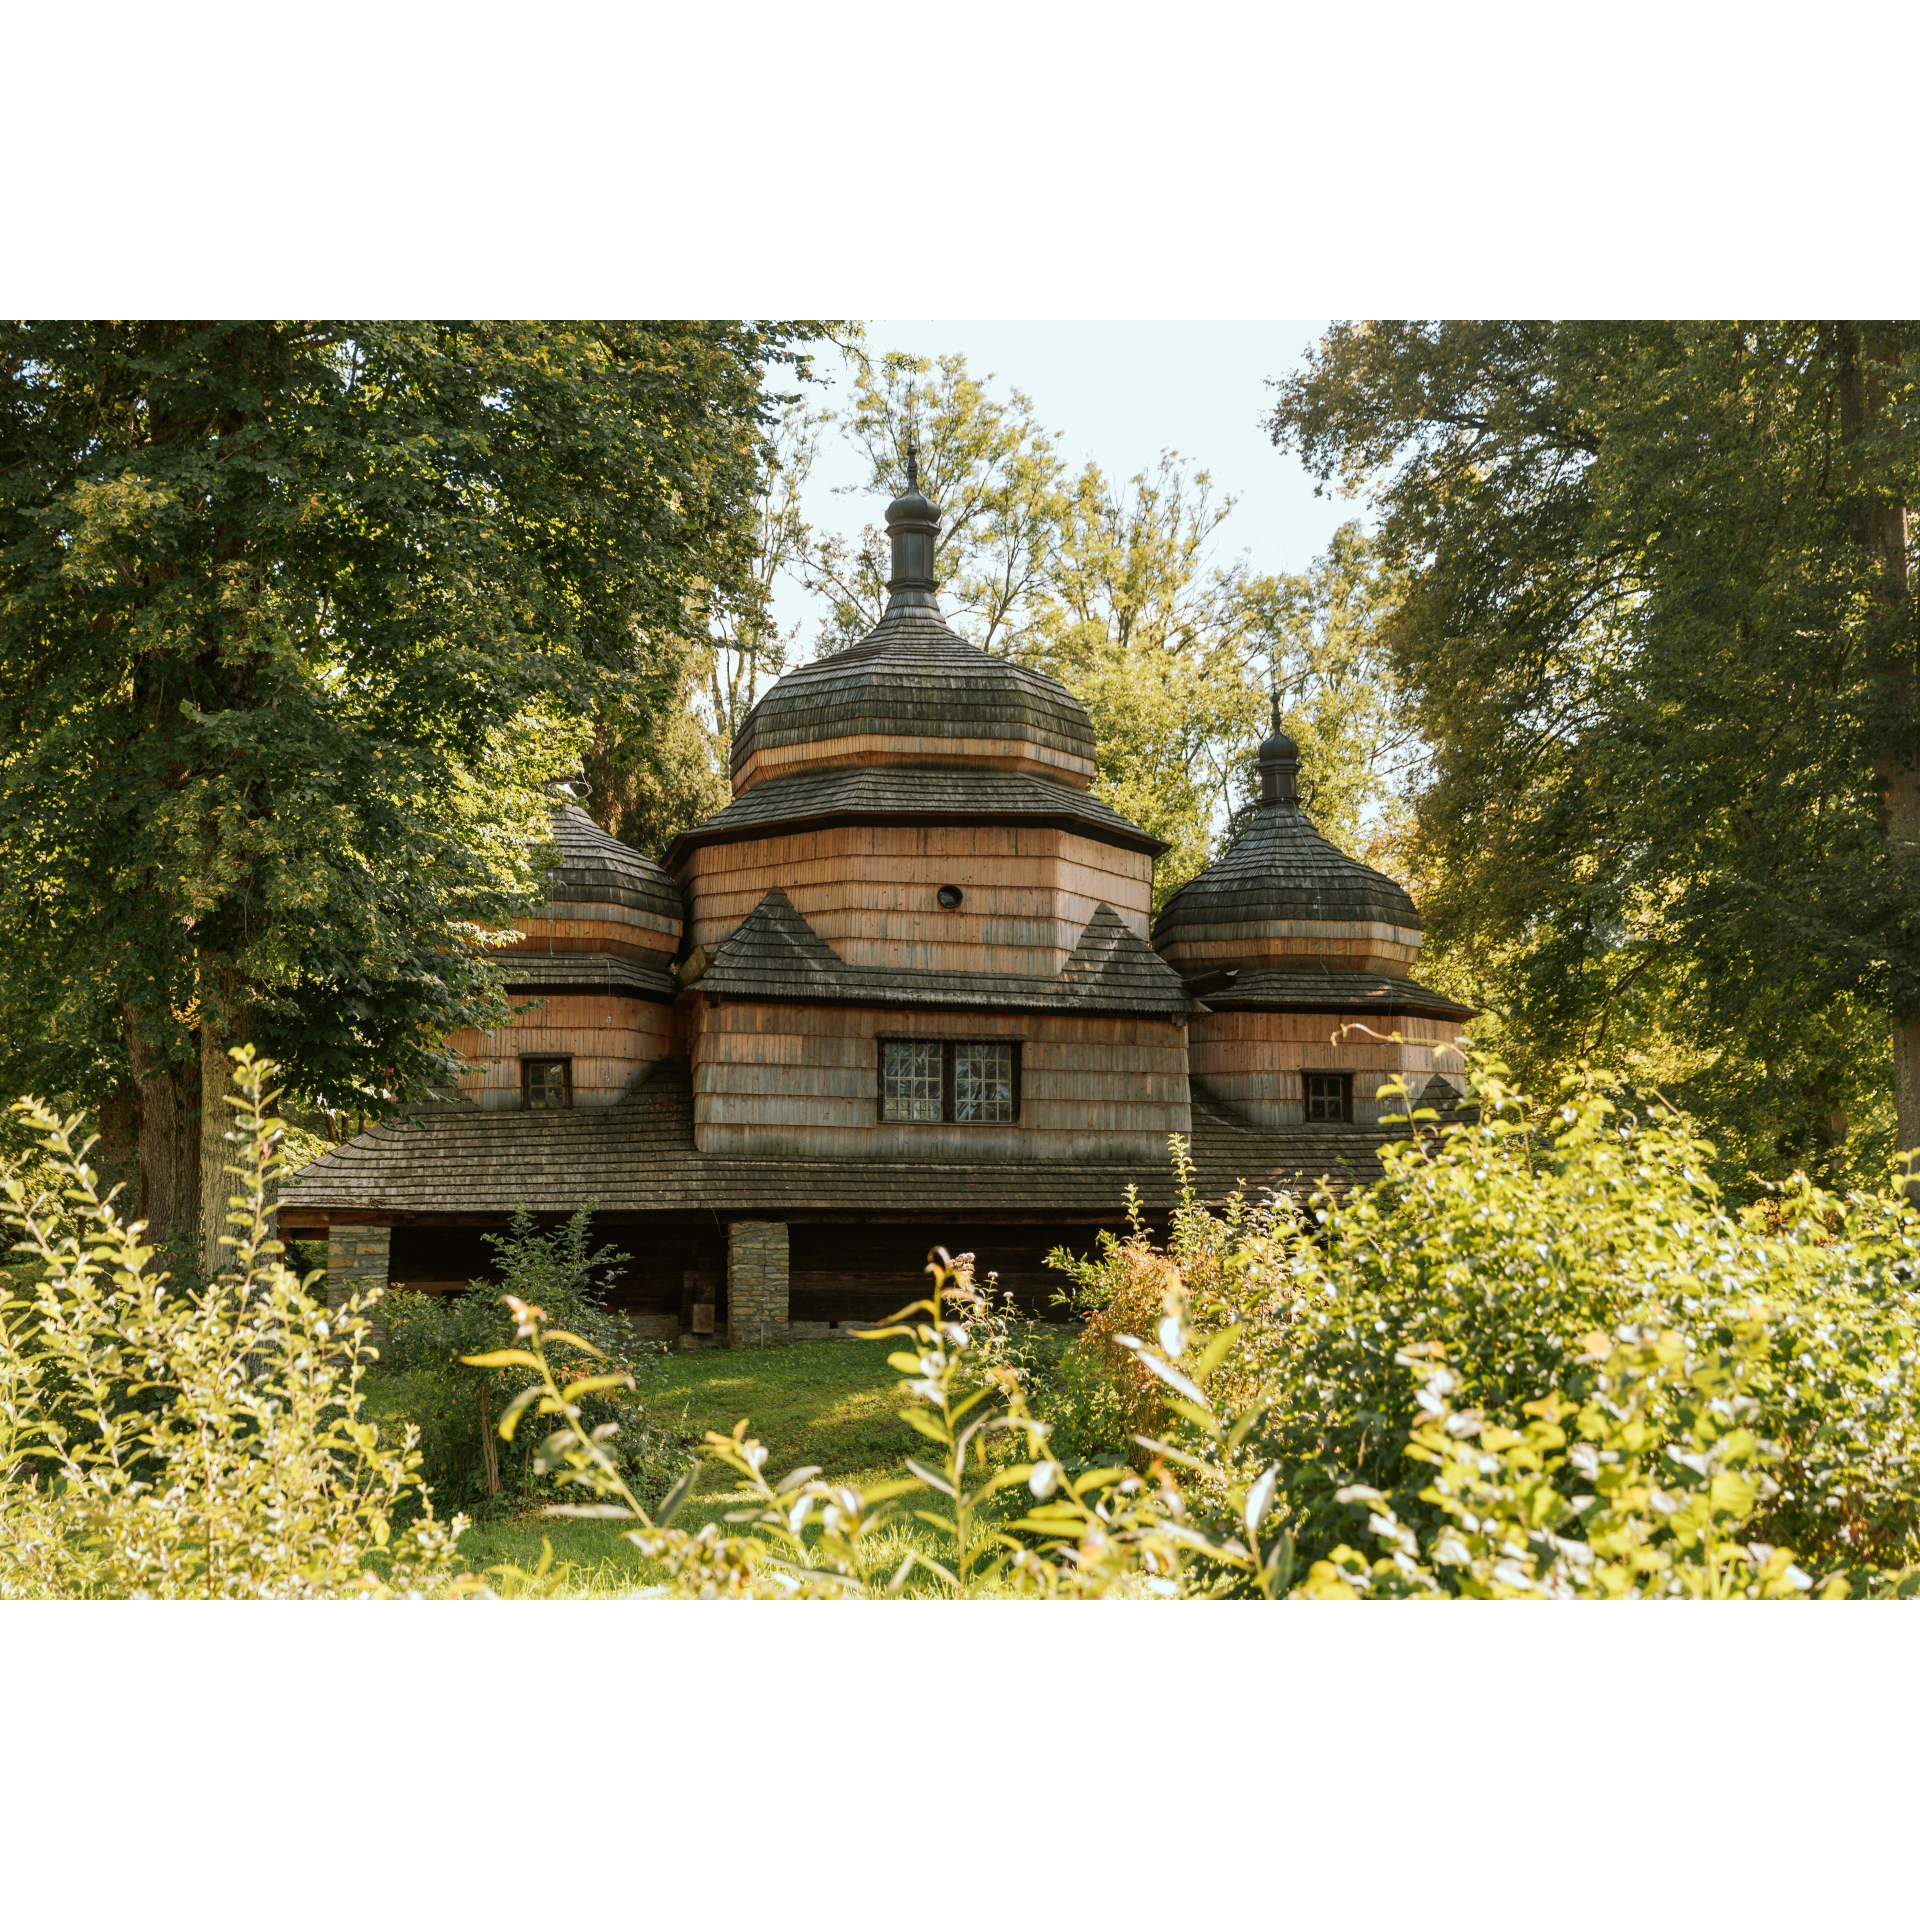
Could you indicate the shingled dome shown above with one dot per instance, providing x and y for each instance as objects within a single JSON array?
[
  {"x": 913, "y": 692},
  {"x": 1287, "y": 897},
  {"x": 597, "y": 869}
]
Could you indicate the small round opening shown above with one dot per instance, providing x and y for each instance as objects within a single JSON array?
[{"x": 949, "y": 897}]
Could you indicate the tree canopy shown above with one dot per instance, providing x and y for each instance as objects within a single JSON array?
[
  {"x": 1660, "y": 636},
  {"x": 295, "y": 618}
]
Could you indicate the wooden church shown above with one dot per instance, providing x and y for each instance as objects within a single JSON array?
[{"x": 905, "y": 989}]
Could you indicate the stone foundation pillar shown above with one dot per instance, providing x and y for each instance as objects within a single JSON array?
[
  {"x": 356, "y": 1261},
  {"x": 757, "y": 1283}
]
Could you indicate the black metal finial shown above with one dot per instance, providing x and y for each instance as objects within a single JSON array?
[
  {"x": 1276, "y": 706},
  {"x": 913, "y": 525}
]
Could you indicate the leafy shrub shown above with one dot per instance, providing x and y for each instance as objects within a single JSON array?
[
  {"x": 1657, "y": 1522},
  {"x": 168, "y": 1442},
  {"x": 1104, "y": 1531},
  {"x": 571, "y": 1282},
  {"x": 1106, "y": 1398},
  {"x": 1514, "y": 1250}
]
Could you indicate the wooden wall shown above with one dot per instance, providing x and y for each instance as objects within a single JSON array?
[
  {"x": 913, "y": 750},
  {"x": 805, "y": 1081},
  {"x": 1347, "y": 946},
  {"x": 611, "y": 1037},
  {"x": 592, "y": 926},
  {"x": 868, "y": 891},
  {"x": 1253, "y": 1061}
]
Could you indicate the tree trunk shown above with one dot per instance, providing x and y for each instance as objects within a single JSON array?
[
  {"x": 168, "y": 1099},
  {"x": 1883, "y": 533},
  {"x": 225, "y": 1021},
  {"x": 489, "y": 1451}
]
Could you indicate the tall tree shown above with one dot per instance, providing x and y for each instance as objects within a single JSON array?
[
  {"x": 1662, "y": 636},
  {"x": 291, "y": 618},
  {"x": 992, "y": 469}
]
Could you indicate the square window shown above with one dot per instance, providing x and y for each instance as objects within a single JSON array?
[
  {"x": 1328, "y": 1096},
  {"x": 910, "y": 1080},
  {"x": 547, "y": 1083},
  {"x": 983, "y": 1081}
]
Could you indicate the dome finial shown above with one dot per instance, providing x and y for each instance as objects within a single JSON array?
[
  {"x": 913, "y": 525},
  {"x": 1279, "y": 762}
]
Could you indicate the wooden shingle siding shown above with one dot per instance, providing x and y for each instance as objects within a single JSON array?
[
  {"x": 803, "y": 1082},
  {"x": 638, "y": 1158},
  {"x": 597, "y": 929},
  {"x": 868, "y": 891},
  {"x": 1253, "y": 1062},
  {"x": 1345, "y": 945},
  {"x": 930, "y": 796},
  {"x": 1284, "y": 894},
  {"x": 775, "y": 955},
  {"x": 913, "y": 678},
  {"x": 611, "y": 1039}
]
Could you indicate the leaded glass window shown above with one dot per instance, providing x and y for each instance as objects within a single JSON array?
[
  {"x": 910, "y": 1086},
  {"x": 983, "y": 1080}
]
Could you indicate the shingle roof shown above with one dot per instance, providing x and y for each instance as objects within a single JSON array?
[
  {"x": 639, "y": 1157},
  {"x": 602, "y": 972},
  {"x": 775, "y": 955},
  {"x": 915, "y": 794},
  {"x": 595, "y": 867},
  {"x": 1282, "y": 868},
  {"x": 913, "y": 675},
  {"x": 1282, "y": 989}
]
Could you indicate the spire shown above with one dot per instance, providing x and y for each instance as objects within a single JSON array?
[
  {"x": 1279, "y": 764},
  {"x": 913, "y": 524}
]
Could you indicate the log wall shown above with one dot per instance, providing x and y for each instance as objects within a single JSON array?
[
  {"x": 611, "y": 1039},
  {"x": 868, "y": 891},
  {"x": 805, "y": 1081},
  {"x": 1253, "y": 1061}
]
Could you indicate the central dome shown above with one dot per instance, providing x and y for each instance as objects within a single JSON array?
[{"x": 913, "y": 692}]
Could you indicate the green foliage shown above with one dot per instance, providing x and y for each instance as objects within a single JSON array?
[
  {"x": 1660, "y": 633},
  {"x": 1515, "y": 1251},
  {"x": 1114, "y": 590},
  {"x": 295, "y": 619},
  {"x": 161, "y": 1442},
  {"x": 1661, "y": 1521},
  {"x": 569, "y": 1280},
  {"x": 1103, "y": 1532}
]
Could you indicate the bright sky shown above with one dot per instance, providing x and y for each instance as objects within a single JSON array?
[{"x": 1119, "y": 391}]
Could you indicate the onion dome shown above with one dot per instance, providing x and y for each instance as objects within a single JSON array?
[
  {"x": 604, "y": 898},
  {"x": 913, "y": 692},
  {"x": 1286, "y": 897}
]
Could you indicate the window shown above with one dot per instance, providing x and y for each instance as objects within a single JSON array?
[
  {"x": 546, "y": 1083},
  {"x": 968, "y": 1082},
  {"x": 912, "y": 1079},
  {"x": 983, "y": 1081},
  {"x": 1329, "y": 1096}
]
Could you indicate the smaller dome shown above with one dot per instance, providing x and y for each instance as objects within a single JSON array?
[
  {"x": 596, "y": 869},
  {"x": 1285, "y": 896}
]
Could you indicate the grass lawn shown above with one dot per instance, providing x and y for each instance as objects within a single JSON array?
[{"x": 833, "y": 1404}]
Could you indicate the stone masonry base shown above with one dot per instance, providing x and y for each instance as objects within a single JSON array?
[{"x": 757, "y": 1283}]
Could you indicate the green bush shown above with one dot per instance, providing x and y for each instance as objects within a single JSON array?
[
  {"x": 571, "y": 1282},
  {"x": 1517, "y": 1249},
  {"x": 177, "y": 1442}
]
